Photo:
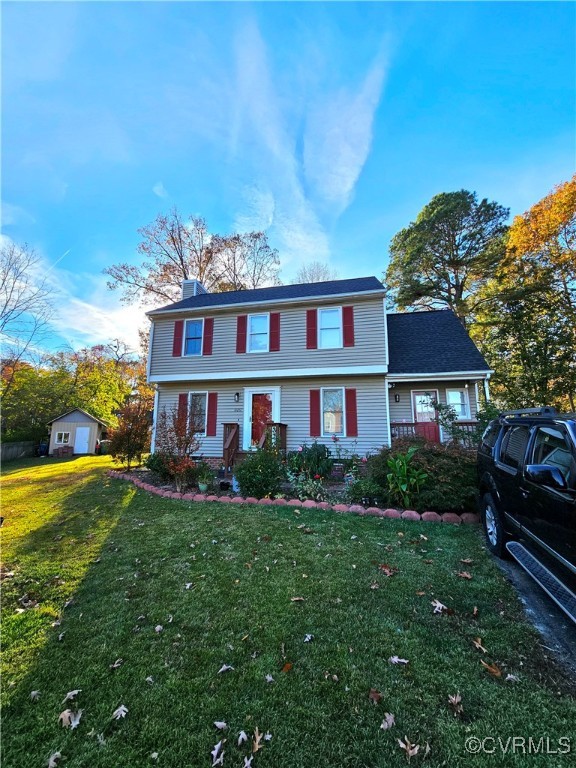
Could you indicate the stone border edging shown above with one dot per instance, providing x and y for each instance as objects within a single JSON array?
[{"x": 408, "y": 514}]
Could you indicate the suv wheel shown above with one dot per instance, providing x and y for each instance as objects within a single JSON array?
[{"x": 495, "y": 536}]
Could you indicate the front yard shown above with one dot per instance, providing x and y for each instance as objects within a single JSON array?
[{"x": 308, "y": 609}]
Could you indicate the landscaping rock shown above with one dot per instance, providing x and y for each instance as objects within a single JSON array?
[
  {"x": 431, "y": 517},
  {"x": 224, "y": 499},
  {"x": 410, "y": 514},
  {"x": 340, "y": 508},
  {"x": 324, "y": 505},
  {"x": 392, "y": 513},
  {"x": 310, "y": 504},
  {"x": 238, "y": 500},
  {"x": 251, "y": 500},
  {"x": 212, "y": 497},
  {"x": 199, "y": 497},
  {"x": 357, "y": 509},
  {"x": 280, "y": 502},
  {"x": 470, "y": 518},
  {"x": 375, "y": 511},
  {"x": 294, "y": 503},
  {"x": 187, "y": 496},
  {"x": 450, "y": 517},
  {"x": 266, "y": 501}
]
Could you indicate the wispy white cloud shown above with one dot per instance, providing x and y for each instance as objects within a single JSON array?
[
  {"x": 15, "y": 214},
  {"x": 160, "y": 190}
]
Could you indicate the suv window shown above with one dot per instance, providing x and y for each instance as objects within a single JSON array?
[
  {"x": 490, "y": 436},
  {"x": 551, "y": 447},
  {"x": 513, "y": 446}
]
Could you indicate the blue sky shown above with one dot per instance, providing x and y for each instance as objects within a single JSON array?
[{"x": 329, "y": 125}]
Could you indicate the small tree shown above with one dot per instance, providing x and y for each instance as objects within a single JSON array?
[
  {"x": 177, "y": 432},
  {"x": 132, "y": 436}
]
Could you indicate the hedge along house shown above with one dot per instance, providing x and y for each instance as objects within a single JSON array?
[
  {"x": 302, "y": 362},
  {"x": 75, "y": 432}
]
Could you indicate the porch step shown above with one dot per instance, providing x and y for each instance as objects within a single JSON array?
[{"x": 561, "y": 595}]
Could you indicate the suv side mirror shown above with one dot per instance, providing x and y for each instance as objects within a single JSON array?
[{"x": 546, "y": 474}]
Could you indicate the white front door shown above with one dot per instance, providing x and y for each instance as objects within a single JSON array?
[
  {"x": 82, "y": 438},
  {"x": 261, "y": 405}
]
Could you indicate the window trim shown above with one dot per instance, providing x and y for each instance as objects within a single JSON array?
[
  {"x": 199, "y": 392},
  {"x": 468, "y": 415},
  {"x": 340, "y": 345},
  {"x": 184, "y": 337},
  {"x": 248, "y": 334},
  {"x": 62, "y": 441},
  {"x": 344, "y": 430}
]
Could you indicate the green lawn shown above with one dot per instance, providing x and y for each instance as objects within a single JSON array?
[{"x": 126, "y": 558}]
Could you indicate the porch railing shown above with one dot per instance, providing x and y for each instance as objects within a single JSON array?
[
  {"x": 274, "y": 435},
  {"x": 231, "y": 444},
  {"x": 408, "y": 429}
]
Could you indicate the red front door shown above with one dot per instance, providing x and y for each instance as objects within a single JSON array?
[
  {"x": 424, "y": 415},
  {"x": 261, "y": 415}
]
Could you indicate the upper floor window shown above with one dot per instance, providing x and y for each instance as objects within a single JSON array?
[
  {"x": 258, "y": 333},
  {"x": 329, "y": 328},
  {"x": 193, "y": 337},
  {"x": 458, "y": 400},
  {"x": 333, "y": 411}
]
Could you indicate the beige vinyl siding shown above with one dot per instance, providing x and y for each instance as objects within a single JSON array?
[
  {"x": 402, "y": 411},
  {"x": 71, "y": 426},
  {"x": 369, "y": 343},
  {"x": 294, "y": 409}
]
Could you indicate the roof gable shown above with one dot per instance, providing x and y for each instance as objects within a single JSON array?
[
  {"x": 276, "y": 293},
  {"x": 431, "y": 342},
  {"x": 80, "y": 410}
]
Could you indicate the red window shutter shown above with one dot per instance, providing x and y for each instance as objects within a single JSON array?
[
  {"x": 241, "y": 323},
  {"x": 351, "y": 413},
  {"x": 177, "y": 341},
  {"x": 274, "y": 331},
  {"x": 315, "y": 425},
  {"x": 311, "y": 329},
  {"x": 208, "y": 335},
  {"x": 212, "y": 414},
  {"x": 348, "y": 326},
  {"x": 182, "y": 406}
]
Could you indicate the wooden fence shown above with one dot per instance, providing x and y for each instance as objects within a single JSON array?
[{"x": 13, "y": 451}]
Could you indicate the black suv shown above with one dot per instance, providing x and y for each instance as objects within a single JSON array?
[{"x": 527, "y": 477}]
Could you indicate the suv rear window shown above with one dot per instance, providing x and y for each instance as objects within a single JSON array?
[
  {"x": 490, "y": 436},
  {"x": 513, "y": 446}
]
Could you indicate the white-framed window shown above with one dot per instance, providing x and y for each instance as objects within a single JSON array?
[
  {"x": 458, "y": 400},
  {"x": 330, "y": 328},
  {"x": 258, "y": 337},
  {"x": 333, "y": 411},
  {"x": 198, "y": 411},
  {"x": 62, "y": 438},
  {"x": 193, "y": 332}
]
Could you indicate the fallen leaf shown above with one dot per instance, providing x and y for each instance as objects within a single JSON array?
[
  {"x": 121, "y": 711},
  {"x": 438, "y": 606},
  {"x": 117, "y": 664},
  {"x": 53, "y": 761},
  {"x": 149, "y": 679},
  {"x": 248, "y": 762},
  {"x": 388, "y": 721},
  {"x": 243, "y": 737},
  {"x": 269, "y": 679},
  {"x": 154, "y": 756},
  {"x": 397, "y": 660},
  {"x": 465, "y": 575},
  {"x": 221, "y": 725},
  {"x": 158, "y": 628},
  {"x": 387, "y": 570},
  {"x": 466, "y": 560},
  {"x": 217, "y": 755},
  {"x": 101, "y": 740},
  {"x": 267, "y": 736},
  {"x": 374, "y": 696},
  {"x": 308, "y": 638},
  {"x": 410, "y": 749},
  {"x": 296, "y": 599},
  {"x": 65, "y": 718},
  {"x": 287, "y": 667},
  {"x": 34, "y": 695},
  {"x": 477, "y": 643},
  {"x": 374, "y": 585},
  {"x": 455, "y": 702},
  {"x": 492, "y": 668},
  {"x": 512, "y": 679},
  {"x": 71, "y": 695},
  {"x": 475, "y": 611},
  {"x": 61, "y": 636},
  {"x": 225, "y": 668},
  {"x": 420, "y": 593},
  {"x": 257, "y": 738}
]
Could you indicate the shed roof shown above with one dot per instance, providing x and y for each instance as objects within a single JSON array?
[
  {"x": 81, "y": 410},
  {"x": 431, "y": 342},
  {"x": 355, "y": 285}
]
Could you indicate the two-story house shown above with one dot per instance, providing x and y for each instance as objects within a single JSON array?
[{"x": 308, "y": 362}]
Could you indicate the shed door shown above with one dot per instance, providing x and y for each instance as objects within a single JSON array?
[{"x": 82, "y": 439}]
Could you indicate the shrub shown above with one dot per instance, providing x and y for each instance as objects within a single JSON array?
[
  {"x": 367, "y": 492},
  {"x": 305, "y": 487},
  {"x": 260, "y": 474},
  {"x": 404, "y": 478},
  {"x": 131, "y": 438},
  {"x": 450, "y": 485},
  {"x": 310, "y": 460},
  {"x": 158, "y": 462}
]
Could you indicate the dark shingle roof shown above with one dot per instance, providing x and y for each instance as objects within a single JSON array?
[
  {"x": 431, "y": 342},
  {"x": 276, "y": 293}
]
